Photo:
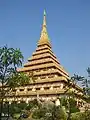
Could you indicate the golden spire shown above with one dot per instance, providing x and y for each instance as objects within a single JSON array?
[{"x": 44, "y": 39}]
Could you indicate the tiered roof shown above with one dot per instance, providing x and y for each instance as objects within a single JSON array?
[{"x": 43, "y": 62}]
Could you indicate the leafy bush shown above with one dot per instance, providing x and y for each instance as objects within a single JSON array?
[
  {"x": 81, "y": 116},
  {"x": 48, "y": 111},
  {"x": 75, "y": 109}
]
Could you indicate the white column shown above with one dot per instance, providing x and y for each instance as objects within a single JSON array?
[
  {"x": 33, "y": 89},
  {"x": 42, "y": 88},
  {"x": 61, "y": 86}
]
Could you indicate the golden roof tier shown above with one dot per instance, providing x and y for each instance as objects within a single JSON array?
[{"x": 43, "y": 62}]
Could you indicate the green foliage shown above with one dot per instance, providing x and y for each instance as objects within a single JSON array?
[
  {"x": 29, "y": 106},
  {"x": 72, "y": 102},
  {"x": 63, "y": 101},
  {"x": 81, "y": 116},
  {"x": 88, "y": 70},
  {"x": 14, "y": 109},
  {"x": 10, "y": 59},
  {"x": 60, "y": 113},
  {"x": 16, "y": 116},
  {"x": 19, "y": 108},
  {"x": 39, "y": 113},
  {"x": 75, "y": 109},
  {"x": 69, "y": 102},
  {"x": 85, "y": 81},
  {"x": 76, "y": 116},
  {"x": 22, "y": 105},
  {"x": 32, "y": 104},
  {"x": 48, "y": 111},
  {"x": 18, "y": 79},
  {"x": 16, "y": 58},
  {"x": 76, "y": 78}
]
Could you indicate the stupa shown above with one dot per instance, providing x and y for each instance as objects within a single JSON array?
[{"x": 49, "y": 77}]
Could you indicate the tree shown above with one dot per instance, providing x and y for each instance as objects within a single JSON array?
[
  {"x": 10, "y": 59},
  {"x": 85, "y": 81},
  {"x": 17, "y": 58},
  {"x": 69, "y": 99},
  {"x": 81, "y": 116},
  {"x": 49, "y": 111},
  {"x": 18, "y": 79},
  {"x": 88, "y": 81},
  {"x": 76, "y": 78}
]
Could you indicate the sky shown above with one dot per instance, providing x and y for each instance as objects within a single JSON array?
[{"x": 68, "y": 24}]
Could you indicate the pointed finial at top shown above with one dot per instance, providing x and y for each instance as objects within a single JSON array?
[
  {"x": 44, "y": 19},
  {"x": 44, "y": 12},
  {"x": 44, "y": 39}
]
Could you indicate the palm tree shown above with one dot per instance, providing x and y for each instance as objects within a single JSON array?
[
  {"x": 76, "y": 78},
  {"x": 68, "y": 92},
  {"x": 85, "y": 82},
  {"x": 88, "y": 70},
  {"x": 88, "y": 86}
]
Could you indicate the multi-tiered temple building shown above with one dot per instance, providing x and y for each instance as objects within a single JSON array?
[{"x": 50, "y": 79}]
